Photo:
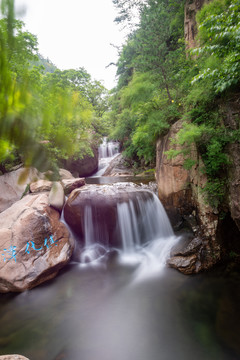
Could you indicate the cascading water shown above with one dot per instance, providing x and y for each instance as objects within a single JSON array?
[
  {"x": 114, "y": 305},
  {"x": 106, "y": 152},
  {"x": 108, "y": 149},
  {"x": 122, "y": 217}
]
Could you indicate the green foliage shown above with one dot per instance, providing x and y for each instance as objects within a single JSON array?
[
  {"x": 219, "y": 33},
  {"x": 140, "y": 119},
  {"x": 45, "y": 114},
  {"x": 159, "y": 85},
  {"x": 147, "y": 69}
]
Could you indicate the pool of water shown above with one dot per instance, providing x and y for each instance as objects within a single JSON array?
[{"x": 105, "y": 312}]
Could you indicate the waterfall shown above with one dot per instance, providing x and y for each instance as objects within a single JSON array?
[
  {"x": 142, "y": 220},
  {"x": 108, "y": 149},
  {"x": 125, "y": 219},
  {"x": 106, "y": 153}
]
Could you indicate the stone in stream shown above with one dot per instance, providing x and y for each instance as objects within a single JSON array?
[
  {"x": 82, "y": 167},
  {"x": 34, "y": 244}
]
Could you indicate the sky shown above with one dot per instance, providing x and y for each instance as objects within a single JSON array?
[{"x": 75, "y": 33}]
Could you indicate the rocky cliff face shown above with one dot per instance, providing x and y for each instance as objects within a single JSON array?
[
  {"x": 231, "y": 112},
  {"x": 190, "y": 24},
  {"x": 180, "y": 191}
]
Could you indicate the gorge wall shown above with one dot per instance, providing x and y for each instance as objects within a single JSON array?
[{"x": 211, "y": 235}]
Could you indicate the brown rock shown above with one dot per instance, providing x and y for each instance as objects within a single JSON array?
[
  {"x": 13, "y": 185},
  {"x": 173, "y": 180},
  {"x": 34, "y": 244},
  {"x": 71, "y": 184},
  {"x": 180, "y": 191},
  {"x": 185, "y": 264},
  {"x": 82, "y": 167},
  {"x": 40, "y": 186},
  {"x": 187, "y": 247},
  {"x": 190, "y": 24}
]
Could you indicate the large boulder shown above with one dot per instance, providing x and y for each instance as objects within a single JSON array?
[
  {"x": 13, "y": 185},
  {"x": 86, "y": 166},
  {"x": 34, "y": 244}
]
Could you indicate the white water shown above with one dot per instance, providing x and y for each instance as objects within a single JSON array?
[
  {"x": 146, "y": 235},
  {"x": 107, "y": 151},
  {"x": 144, "y": 230}
]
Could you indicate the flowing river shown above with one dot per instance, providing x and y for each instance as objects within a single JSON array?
[{"x": 125, "y": 304}]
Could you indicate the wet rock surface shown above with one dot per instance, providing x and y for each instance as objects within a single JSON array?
[
  {"x": 186, "y": 265},
  {"x": 34, "y": 244},
  {"x": 185, "y": 257}
]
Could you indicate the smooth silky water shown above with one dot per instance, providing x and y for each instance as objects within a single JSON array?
[
  {"x": 125, "y": 304},
  {"x": 107, "y": 151}
]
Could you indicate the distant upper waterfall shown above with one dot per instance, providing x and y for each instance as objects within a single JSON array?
[
  {"x": 106, "y": 153},
  {"x": 108, "y": 149}
]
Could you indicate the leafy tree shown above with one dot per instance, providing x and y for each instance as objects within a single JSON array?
[
  {"x": 219, "y": 34},
  {"x": 44, "y": 116},
  {"x": 147, "y": 67},
  {"x": 127, "y": 10}
]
